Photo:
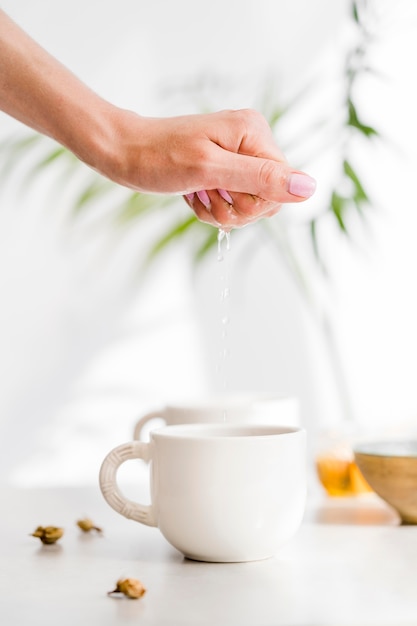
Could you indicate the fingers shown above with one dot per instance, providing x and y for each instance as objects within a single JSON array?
[
  {"x": 266, "y": 178},
  {"x": 275, "y": 184},
  {"x": 224, "y": 210},
  {"x": 244, "y": 156}
]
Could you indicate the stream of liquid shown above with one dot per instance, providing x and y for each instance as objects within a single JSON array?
[{"x": 223, "y": 258}]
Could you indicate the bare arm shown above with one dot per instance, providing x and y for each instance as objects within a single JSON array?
[{"x": 228, "y": 150}]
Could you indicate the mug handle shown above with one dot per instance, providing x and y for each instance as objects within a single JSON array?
[
  {"x": 146, "y": 418},
  {"x": 142, "y": 513}
]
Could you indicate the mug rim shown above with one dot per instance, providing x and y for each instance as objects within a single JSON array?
[
  {"x": 235, "y": 400},
  {"x": 218, "y": 431}
]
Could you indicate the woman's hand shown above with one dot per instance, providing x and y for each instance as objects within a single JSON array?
[{"x": 226, "y": 164}]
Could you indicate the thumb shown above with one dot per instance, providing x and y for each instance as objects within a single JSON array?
[{"x": 271, "y": 180}]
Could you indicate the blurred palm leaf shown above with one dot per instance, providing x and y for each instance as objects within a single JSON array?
[
  {"x": 353, "y": 120},
  {"x": 92, "y": 192},
  {"x": 173, "y": 234}
]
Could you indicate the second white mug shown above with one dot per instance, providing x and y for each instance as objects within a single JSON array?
[{"x": 242, "y": 408}]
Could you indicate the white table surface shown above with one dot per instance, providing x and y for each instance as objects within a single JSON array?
[{"x": 351, "y": 563}]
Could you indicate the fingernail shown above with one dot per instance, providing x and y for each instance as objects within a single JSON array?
[
  {"x": 301, "y": 185},
  {"x": 204, "y": 198},
  {"x": 190, "y": 197},
  {"x": 225, "y": 195}
]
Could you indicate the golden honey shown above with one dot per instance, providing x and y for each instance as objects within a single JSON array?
[{"x": 340, "y": 476}]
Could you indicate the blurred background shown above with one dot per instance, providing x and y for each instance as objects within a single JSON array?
[{"x": 322, "y": 302}]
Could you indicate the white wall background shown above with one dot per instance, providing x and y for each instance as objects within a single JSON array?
[{"x": 85, "y": 349}]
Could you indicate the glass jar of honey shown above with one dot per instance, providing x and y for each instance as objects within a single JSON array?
[{"x": 336, "y": 468}]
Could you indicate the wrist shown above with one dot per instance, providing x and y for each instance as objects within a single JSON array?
[
  {"x": 109, "y": 140},
  {"x": 89, "y": 132}
]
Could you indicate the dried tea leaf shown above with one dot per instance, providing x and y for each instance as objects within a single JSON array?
[
  {"x": 130, "y": 587},
  {"x": 87, "y": 525},
  {"x": 48, "y": 534}
]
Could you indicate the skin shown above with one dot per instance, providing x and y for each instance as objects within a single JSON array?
[{"x": 226, "y": 150}]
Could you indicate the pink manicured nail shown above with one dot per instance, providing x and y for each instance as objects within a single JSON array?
[
  {"x": 225, "y": 195},
  {"x": 190, "y": 197},
  {"x": 301, "y": 185},
  {"x": 204, "y": 198}
]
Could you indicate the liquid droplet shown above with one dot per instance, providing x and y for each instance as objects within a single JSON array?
[
  {"x": 227, "y": 234},
  {"x": 220, "y": 236},
  {"x": 223, "y": 249},
  {"x": 225, "y": 293}
]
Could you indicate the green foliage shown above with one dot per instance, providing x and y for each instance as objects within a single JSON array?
[
  {"x": 173, "y": 234},
  {"x": 342, "y": 203},
  {"x": 137, "y": 205},
  {"x": 354, "y": 121}
]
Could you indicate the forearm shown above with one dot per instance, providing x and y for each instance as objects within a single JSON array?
[{"x": 40, "y": 92}]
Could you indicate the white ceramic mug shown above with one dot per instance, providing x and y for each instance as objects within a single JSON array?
[
  {"x": 252, "y": 408},
  {"x": 219, "y": 492}
]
